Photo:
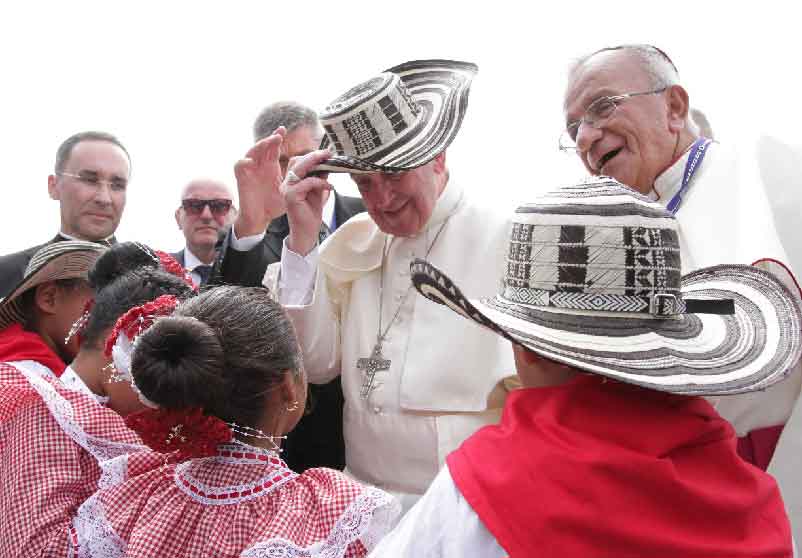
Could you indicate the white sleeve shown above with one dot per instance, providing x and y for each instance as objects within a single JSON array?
[
  {"x": 441, "y": 525},
  {"x": 296, "y": 282},
  {"x": 245, "y": 243},
  {"x": 303, "y": 293}
]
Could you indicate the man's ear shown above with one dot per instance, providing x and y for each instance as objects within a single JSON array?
[
  {"x": 678, "y": 108},
  {"x": 52, "y": 187},
  {"x": 46, "y": 298},
  {"x": 178, "y": 218}
]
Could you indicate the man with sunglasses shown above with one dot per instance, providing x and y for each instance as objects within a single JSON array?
[
  {"x": 205, "y": 213},
  {"x": 90, "y": 182},
  {"x": 627, "y": 116}
]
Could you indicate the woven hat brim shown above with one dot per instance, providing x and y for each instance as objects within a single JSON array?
[
  {"x": 441, "y": 88},
  {"x": 55, "y": 261},
  {"x": 695, "y": 354}
]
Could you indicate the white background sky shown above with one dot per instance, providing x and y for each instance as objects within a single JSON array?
[{"x": 181, "y": 82}]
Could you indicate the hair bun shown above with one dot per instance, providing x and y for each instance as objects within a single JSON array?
[
  {"x": 118, "y": 260},
  {"x": 177, "y": 362}
]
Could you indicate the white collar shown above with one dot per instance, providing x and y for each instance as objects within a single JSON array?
[
  {"x": 669, "y": 182},
  {"x": 191, "y": 261},
  {"x": 71, "y": 237},
  {"x": 328, "y": 210},
  {"x": 72, "y": 381}
]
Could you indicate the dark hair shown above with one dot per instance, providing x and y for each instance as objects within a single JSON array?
[
  {"x": 131, "y": 289},
  {"x": 289, "y": 114},
  {"x": 65, "y": 149},
  {"x": 118, "y": 260},
  {"x": 222, "y": 350},
  {"x": 27, "y": 300}
]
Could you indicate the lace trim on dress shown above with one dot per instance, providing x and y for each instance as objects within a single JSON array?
[
  {"x": 103, "y": 450},
  {"x": 92, "y": 535},
  {"x": 367, "y": 519},
  {"x": 237, "y": 454}
]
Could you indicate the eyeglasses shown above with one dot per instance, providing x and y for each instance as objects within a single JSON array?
[
  {"x": 217, "y": 207},
  {"x": 596, "y": 115},
  {"x": 91, "y": 178}
]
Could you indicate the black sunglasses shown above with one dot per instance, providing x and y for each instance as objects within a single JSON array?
[{"x": 217, "y": 207}]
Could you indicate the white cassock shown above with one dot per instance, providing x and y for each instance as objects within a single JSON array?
[
  {"x": 446, "y": 374},
  {"x": 735, "y": 210}
]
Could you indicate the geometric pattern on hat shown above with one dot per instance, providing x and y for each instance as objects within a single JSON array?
[
  {"x": 399, "y": 120},
  {"x": 609, "y": 299},
  {"x": 57, "y": 260}
]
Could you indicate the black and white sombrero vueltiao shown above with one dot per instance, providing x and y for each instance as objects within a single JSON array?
[
  {"x": 592, "y": 280},
  {"x": 398, "y": 120},
  {"x": 70, "y": 259}
]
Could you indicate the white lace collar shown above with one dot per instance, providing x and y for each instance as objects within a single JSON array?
[
  {"x": 276, "y": 474},
  {"x": 72, "y": 381}
]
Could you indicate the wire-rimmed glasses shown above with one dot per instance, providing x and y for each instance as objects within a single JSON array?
[{"x": 596, "y": 115}]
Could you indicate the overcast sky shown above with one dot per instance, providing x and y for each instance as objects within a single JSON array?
[{"x": 180, "y": 83}]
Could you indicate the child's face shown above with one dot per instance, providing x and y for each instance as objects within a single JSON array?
[{"x": 537, "y": 371}]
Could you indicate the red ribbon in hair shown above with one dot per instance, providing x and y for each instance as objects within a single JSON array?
[
  {"x": 171, "y": 265},
  {"x": 140, "y": 318}
]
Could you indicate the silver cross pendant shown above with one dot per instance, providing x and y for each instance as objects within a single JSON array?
[{"x": 370, "y": 366}]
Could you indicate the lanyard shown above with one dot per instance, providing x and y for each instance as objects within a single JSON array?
[{"x": 698, "y": 152}]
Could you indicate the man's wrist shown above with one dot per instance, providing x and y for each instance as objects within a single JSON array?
[
  {"x": 300, "y": 245},
  {"x": 250, "y": 227}
]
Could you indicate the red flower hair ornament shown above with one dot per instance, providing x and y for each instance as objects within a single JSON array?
[
  {"x": 185, "y": 433},
  {"x": 120, "y": 343},
  {"x": 171, "y": 265}
]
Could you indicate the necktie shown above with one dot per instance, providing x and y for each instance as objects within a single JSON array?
[
  {"x": 324, "y": 232},
  {"x": 204, "y": 271}
]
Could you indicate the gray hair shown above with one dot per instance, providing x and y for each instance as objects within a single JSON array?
[
  {"x": 65, "y": 149},
  {"x": 658, "y": 66},
  {"x": 289, "y": 114}
]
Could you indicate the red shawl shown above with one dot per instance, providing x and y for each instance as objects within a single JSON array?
[
  {"x": 599, "y": 468},
  {"x": 17, "y": 344}
]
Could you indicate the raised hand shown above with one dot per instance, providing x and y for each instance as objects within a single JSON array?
[
  {"x": 258, "y": 183},
  {"x": 304, "y": 197}
]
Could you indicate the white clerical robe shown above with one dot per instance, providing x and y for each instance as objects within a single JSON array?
[
  {"x": 445, "y": 376},
  {"x": 726, "y": 217},
  {"x": 733, "y": 214}
]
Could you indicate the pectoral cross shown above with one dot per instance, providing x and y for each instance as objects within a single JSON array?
[{"x": 370, "y": 366}]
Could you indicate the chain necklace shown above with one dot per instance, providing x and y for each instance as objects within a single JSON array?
[{"x": 376, "y": 361}]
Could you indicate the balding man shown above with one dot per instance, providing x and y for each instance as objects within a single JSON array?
[
  {"x": 627, "y": 116},
  {"x": 206, "y": 211}
]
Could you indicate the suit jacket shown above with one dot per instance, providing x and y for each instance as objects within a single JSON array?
[
  {"x": 248, "y": 268},
  {"x": 179, "y": 257},
  {"x": 317, "y": 440},
  {"x": 12, "y": 266}
]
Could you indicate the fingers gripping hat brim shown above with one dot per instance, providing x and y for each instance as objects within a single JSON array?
[
  {"x": 704, "y": 354},
  {"x": 440, "y": 88}
]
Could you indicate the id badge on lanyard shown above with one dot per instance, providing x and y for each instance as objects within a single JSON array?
[{"x": 698, "y": 152}]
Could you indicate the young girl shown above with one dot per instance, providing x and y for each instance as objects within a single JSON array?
[{"x": 224, "y": 382}]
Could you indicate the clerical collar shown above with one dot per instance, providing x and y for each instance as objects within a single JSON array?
[
  {"x": 669, "y": 182},
  {"x": 108, "y": 239},
  {"x": 446, "y": 205},
  {"x": 72, "y": 381}
]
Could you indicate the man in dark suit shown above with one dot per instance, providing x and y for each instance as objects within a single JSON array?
[
  {"x": 89, "y": 181},
  {"x": 318, "y": 439},
  {"x": 206, "y": 211}
]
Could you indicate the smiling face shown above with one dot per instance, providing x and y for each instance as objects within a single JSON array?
[
  {"x": 401, "y": 204},
  {"x": 641, "y": 138},
  {"x": 91, "y": 189}
]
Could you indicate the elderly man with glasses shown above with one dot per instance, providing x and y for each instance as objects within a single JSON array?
[
  {"x": 205, "y": 213},
  {"x": 627, "y": 116},
  {"x": 89, "y": 181}
]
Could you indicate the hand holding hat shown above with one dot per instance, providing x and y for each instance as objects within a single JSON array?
[{"x": 304, "y": 197}]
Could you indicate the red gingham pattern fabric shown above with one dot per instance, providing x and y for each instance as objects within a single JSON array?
[
  {"x": 45, "y": 473},
  {"x": 155, "y": 514}
]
